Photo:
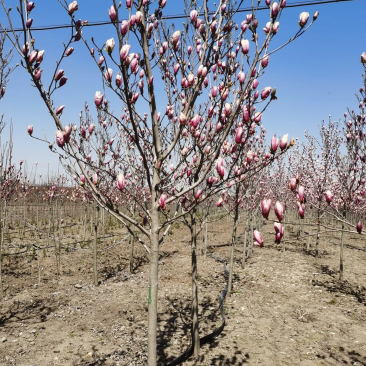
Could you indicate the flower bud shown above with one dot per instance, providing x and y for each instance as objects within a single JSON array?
[
  {"x": 124, "y": 52},
  {"x": 363, "y": 58},
  {"x": 266, "y": 207},
  {"x": 121, "y": 182},
  {"x": 162, "y": 200},
  {"x": 304, "y": 16},
  {"x": 73, "y": 7},
  {"x": 59, "y": 109},
  {"x": 60, "y": 138},
  {"x": 112, "y": 13},
  {"x": 30, "y": 130},
  {"x": 30, "y": 6},
  {"x": 109, "y": 45},
  {"x": 283, "y": 143},
  {"x": 69, "y": 51},
  {"x": 98, "y": 98},
  {"x": 359, "y": 227},
  {"x": 258, "y": 238},
  {"x": 279, "y": 210},
  {"x": 59, "y": 74}
]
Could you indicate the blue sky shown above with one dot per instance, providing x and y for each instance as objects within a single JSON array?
[{"x": 315, "y": 76}]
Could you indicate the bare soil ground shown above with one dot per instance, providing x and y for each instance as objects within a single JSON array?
[{"x": 287, "y": 308}]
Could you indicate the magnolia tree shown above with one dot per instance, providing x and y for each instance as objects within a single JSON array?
[
  {"x": 315, "y": 166},
  {"x": 171, "y": 144}
]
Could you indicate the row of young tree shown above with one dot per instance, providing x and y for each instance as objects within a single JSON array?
[{"x": 172, "y": 159}]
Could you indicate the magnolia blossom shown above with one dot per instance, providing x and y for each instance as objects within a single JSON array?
[
  {"x": 220, "y": 167},
  {"x": 109, "y": 45},
  {"x": 112, "y": 13},
  {"x": 121, "y": 182},
  {"x": 304, "y": 16},
  {"x": 59, "y": 109},
  {"x": 60, "y": 138},
  {"x": 258, "y": 238},
  {"x": 283, "y": 142},
  {"x": 30, "y": 130},
  {"x": 73, "y": 7},
  {"x": 293, "y": 184},
  {"x": 328, "y": 196},
  {"x": 266, "y": 92},
  {"x": 162, "y": 200},
  {"x": 98, "y": 98},
  {"x": 266, "y": 207},
  {"x": 274, "y": 144},
  {"x": 220, "y": 202},
  {"x": 238, "y": 135},
  {"x": 359, "y": 227},
  {"x": 279, "y": 210},
  {"x": 363, "y": 58},
  {"x": 300, "y": 193},
  {"x": 124, "y": 52}
]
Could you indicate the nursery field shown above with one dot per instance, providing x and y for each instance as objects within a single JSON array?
[{"x": 286, "y": 307}]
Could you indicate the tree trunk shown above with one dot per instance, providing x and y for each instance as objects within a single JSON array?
[
  {"x": 233, "y": 239},
  {"x": 317, "y": 233},
  {"x": 205, "y": 242},
  {"x": 244, "y": 249},
  {"x": 195, "y": 323},
  {"x": 341, "y": 250},
  {"x": 95, "y": 248},
  {"x": 153, "y": 281}
]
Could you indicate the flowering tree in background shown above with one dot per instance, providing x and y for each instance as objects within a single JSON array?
[{"x": 170, "y": 144}]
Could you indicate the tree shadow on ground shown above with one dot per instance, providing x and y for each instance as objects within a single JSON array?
[
  {"x": 175, "y": 335},
  {"x": 344, "y": 287},
  {"x": 35, "y": 311},
  {"x": 343, "y": 356}
]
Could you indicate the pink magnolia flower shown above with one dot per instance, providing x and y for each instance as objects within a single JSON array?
[
  {"x": 59, "y": 109},
  {"x": 238, "y": 135},
  {"x": 30, "y": 6},
  {"x": 69, "y": 51},
  {"x": 98, "y": 98},
  {"x": 300, "y": 193},
  {"x": 363, "y": 58},
  {"x": 67, "y": 133},
  {"x": 162, "y": 200},
  {"x": 82, "y": 180},
  {"x": 124, "y": 52},
  {"x": 359, "y": 227},
  {"x": 121, "y": 182},
  {"x": 279, "y": 210},
  {"x": 244, "y": 46},
  {"x": 266, "y": 92},
  {"x": 304, "y": 16},
  {"x": 328, "y": 196},
  {"x": 118, "y": 80},
  {"x": 112, "y": 13},
  {"x": 109, "y": 45},
  {"x": 59, "y": 74},
  {"x": 293, "y": 184},
  {"x": 274, "y": 144},
  {"x": 266, "y": 207},
  {"x": 283, "y": 143},
  {"x": 95, "y": 179},
  {"x": 60, "y": 139},
  {"x": 258, "y": 238},
  {"x": 220, "y": 202},
  {"x": 124, "y": 27},
  {"x": 274, "y": 10},
  {"x": 220, "y": 167},
  {"x": 73, "y": 7},
  {"x": 264, "y": 61},
  {"x": 30, "y": 130}
]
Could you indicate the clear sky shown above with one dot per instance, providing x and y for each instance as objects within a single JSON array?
[{"x": 315, "y": 76}]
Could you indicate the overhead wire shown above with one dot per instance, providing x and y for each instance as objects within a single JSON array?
[{"x": 182, "y": 16}]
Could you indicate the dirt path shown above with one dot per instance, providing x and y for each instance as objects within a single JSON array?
[{"x": 284, "y": 309}]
